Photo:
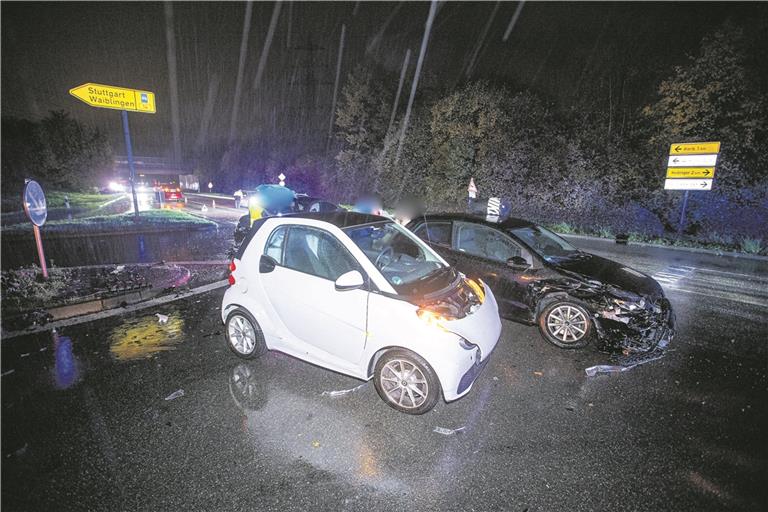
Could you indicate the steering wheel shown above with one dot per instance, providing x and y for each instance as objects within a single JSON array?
[{"x": 387, "y": 253}]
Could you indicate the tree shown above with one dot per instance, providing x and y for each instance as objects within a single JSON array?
[
  {"x": 58, "y": 151},
  {"x": 361, "y": 120},
  {"x": 716, "y": 96}
]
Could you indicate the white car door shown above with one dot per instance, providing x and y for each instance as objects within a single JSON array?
[{"x": 330, "y": 323}]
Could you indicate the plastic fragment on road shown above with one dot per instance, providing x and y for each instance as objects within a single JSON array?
[
  {"x": 118, "y": 269},
  {"x": 606, "y": 368},
  {"x": 162, "y": 319},
  {"x": 343, "y": 391},
  {"x": 538, "y": 374},
  {"x": 176, "y": 394},
  {"x": 315, "y": 444},
  {"x": 7, "y": 372},
  {"x": 448, "y": 431}
]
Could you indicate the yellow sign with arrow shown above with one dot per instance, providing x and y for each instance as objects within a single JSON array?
[
  {"x": 118, "y": 98},
  {"x": 690, "y": 172},
  {"x": 694, "y": 148}
]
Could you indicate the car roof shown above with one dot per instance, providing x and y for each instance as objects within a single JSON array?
[{"x": 508, "y": 223}]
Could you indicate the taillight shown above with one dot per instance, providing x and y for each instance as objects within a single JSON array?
[{"x": 232, "y": 268}]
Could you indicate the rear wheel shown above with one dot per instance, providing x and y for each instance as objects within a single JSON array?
[
  {"x": 566, "y": 324},
  {"x": 406, "y": 382},
  {"x": 244, "y": 335}
]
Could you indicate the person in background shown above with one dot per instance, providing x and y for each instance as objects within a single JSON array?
[{"x": 238, "y": 197}]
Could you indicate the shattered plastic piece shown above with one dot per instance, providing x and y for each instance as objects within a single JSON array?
[
  {"x": 315, "y": 444},
  {"x": 163, "y": 319},
  {"x": 26, "y": 354},
  {"x": 118, "y": 269},
  {"x": 538, "y": 374},
  {"x": 447, "y": 431},
  {"x": 7, "y": 372},
  {"x": 343, "y": 391},
  {"x": 606, "y": 368},
  {"x": 175, "y": 395}
]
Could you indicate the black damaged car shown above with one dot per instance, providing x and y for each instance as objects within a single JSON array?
[{"x": 539, "y": 278}]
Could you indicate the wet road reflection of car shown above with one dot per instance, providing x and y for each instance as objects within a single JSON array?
[
  {"x": 541, "y": 279},
  {"x": 359, "y": 294}
]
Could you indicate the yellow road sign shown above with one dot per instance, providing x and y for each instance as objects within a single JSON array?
[
  {"x": 694, "y": 148},
  {"x": 690, "y": 172},
  {"x": 118, "y": 98}
]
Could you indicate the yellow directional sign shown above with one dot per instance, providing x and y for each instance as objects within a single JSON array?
[
  {"x": 118, "y": 98},
  {"x": 694, "y": 148},
  {"x": 690, "y": 172}
]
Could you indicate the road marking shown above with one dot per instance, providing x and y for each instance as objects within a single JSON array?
[
  {"x": 119, "y": 311},
  {"x": 730, "y": 297}
]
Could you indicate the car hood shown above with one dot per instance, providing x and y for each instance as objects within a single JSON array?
[{"x": 596, "y": 268}]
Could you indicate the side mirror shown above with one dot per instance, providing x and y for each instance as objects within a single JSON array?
[
  {"x": 517, "y": 262},
  {"x": 266, "y": 264},
  {"x": 352, "y": 280}
]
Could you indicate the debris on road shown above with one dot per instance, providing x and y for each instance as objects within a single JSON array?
[
  {"x": 162, "y": 319},
  {"x": 118, "y": 269},
  {"x": 538, "y": 374},
  {"x": 606, "y": 368},
  {"x": 315, "y": 444},
  {"x": 343, "y": 391},
  {"x": 7, "y": 372},
  {"x": 176, "y": 394},
  {"x": 448, "y": 431}
]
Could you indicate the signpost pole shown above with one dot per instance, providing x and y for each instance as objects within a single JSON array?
[
  {"x": 682, "y": 214},
  {"x": 40, "y": 253},
  {"x": 129, "y": 151}
]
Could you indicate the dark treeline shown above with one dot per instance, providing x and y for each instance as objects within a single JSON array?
[{"x": 593, "y": 169}]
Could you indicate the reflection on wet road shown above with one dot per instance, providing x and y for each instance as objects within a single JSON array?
[{"x": 86, "y": 425}]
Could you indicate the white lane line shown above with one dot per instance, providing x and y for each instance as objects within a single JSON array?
[
  {"x": 749, "y": 276},
  {"x": 119, "y": 311},
  {"x": 728, "y": 297}
]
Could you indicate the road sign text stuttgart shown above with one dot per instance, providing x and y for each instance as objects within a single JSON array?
[
  {"x": 694, "y": 148},
  {"x": 690, "y": 172},
  {"x": 118, "y": 98}
]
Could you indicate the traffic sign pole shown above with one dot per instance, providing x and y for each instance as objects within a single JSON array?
[
  {"x": 40, "y": 253},
  {"x": 681, "y": 225},
  {"x": 129, "y": 151}
]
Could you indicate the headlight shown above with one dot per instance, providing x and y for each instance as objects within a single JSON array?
[
  {"x": 432, "y": 318},
  {"x": 630, "y": 305}
]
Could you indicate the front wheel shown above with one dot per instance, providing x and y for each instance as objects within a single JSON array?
[
  {"x": 566, "y": 324},
  {"x": 406, "y": 382},
  {"x": 244, "y": 335}
]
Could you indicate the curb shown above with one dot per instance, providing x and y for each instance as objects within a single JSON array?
[
  {"x": 699, "y": 250},
  {"x": 116, "y": 311}
]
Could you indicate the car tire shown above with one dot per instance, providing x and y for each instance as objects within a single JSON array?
[
  {"x": 566, "y": 323},
  {"x": 422, "y": 387},
  {"x": 244, "y": 335}
]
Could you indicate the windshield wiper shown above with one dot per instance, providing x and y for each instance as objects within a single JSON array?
[{"x": 434, "y": 273}]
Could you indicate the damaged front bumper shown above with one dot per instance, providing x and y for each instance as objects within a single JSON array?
[{"x": 641, "y": 329}]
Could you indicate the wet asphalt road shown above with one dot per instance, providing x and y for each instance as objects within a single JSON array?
[{"x": 85, "y": 423}]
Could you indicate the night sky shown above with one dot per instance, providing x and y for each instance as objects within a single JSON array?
[{"x": 570, "y": 53}]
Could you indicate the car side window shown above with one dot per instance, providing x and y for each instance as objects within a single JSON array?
[
  {"x": 483, "y": 241},
  {"x": 274, "y": 247},
  {"x": 435, "y": 232},
  {"x": 318, "y": 253}
]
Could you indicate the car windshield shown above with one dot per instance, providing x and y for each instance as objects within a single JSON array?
[
  {"x": 404, "y": 260},
  {"x": 546, "y": 244}
]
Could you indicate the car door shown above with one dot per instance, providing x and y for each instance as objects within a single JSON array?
[
  {"x": 330, "y": 323},
  {"x": 438, "y": 235},
  {"x": 482, "y": 251}
]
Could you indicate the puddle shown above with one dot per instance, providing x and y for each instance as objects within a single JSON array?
[{"x": 143, "y": 337}]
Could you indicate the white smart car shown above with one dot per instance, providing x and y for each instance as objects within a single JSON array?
[{"x": 363, "y": 296}]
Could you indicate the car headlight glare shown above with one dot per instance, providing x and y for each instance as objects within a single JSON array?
[{"x": 432, "y": 318}]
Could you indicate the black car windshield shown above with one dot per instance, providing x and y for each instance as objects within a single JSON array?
[
  {"x": 404, "y": 260},
  {"x": 546, "y": 244}
]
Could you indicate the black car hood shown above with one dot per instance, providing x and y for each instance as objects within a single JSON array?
[{"x": 596, "y": 268}]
